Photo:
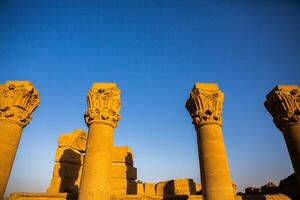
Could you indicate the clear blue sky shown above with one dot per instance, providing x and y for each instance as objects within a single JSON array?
[{"x": 155, "y": 51}]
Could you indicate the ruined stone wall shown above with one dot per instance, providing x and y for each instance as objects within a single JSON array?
[{"x": 69, "y": 161}]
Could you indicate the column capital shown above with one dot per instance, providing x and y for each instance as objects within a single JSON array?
[
  {"x": 18, "y": 99},
  {"x": 205, "y": 104},
  {"x": 283, "y": 103},
  {"x": 103, "y": 104}
]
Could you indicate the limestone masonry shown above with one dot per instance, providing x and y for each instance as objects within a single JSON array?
[{"x": 87, "y": 166}]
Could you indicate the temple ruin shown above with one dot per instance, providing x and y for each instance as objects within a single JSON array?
[{"x": 87, "y": 166}]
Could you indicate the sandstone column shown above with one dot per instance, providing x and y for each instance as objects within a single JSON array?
[
  {"x": 205, "y": 107},
  {"x": 18, "y": 99},
  {"x": 102, "y": 117},
  {"x": 283, "y": 103}
]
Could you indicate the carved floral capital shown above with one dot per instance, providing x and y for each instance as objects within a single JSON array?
[
  {"x": 283, "y": 103},
  {"x": 103, "y": 104},
  {"x": 18, "y": 99},
  {"x": 205, "y": 104}
]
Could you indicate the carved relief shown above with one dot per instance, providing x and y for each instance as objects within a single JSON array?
[
  {"x": 103, "y": 104},
  {"x": 18, "y": 99},
  {"x": 205, "y": 104},
  {"x": 283, "y": 103}
]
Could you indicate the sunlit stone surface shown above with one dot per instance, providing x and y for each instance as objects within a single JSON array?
[
  {"x": 205, "y": 107},
  {"x": 283, "y": 103},
  {"x": 89, "y": 167},
  {"x": 18, "y": 99}
]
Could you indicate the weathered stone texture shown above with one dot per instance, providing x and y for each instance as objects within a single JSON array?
[
  {"x": 149, "y": 189},
  {"x": 122, "y": 154},
  {"x": 205, "y": 107},
  {"x": 176, "y": 187},
  {"x": 18, "y": 99},
  {"x": 283, "y": 103},
  {"x": 102, "y": 116},
  {"x": 123, "y": 173},
  {"x": 68, "y": 162},
  {"x": 65, "y": 196}
]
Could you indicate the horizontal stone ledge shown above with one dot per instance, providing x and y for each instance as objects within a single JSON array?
[{"x": 67, "y": 196}]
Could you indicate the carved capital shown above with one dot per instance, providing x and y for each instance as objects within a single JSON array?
[
  {"x": 103, "y": 104},
  {"x": 205, "y": 104},
  {"x": 18, "y": 99},
  {"x": 283, "y": 103}
]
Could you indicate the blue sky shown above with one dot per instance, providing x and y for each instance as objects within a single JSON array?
[{"x": 155, "y": 51}]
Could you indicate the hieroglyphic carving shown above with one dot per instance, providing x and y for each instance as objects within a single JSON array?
[
  {"x": 18, "y": 99},
  {"x": 103, "y": 104},
  {"x": 205, "y": 104},
  {"x": 283, "y": 103}
]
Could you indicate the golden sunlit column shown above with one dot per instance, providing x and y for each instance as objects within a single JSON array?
[
  {"x": 102, "y": 117},
  {"x": 205, "y": 107},
  {"x": 283, "y": 103},
  {"x": 18, "y": 99}
]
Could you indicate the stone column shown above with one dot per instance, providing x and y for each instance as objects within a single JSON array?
[
  {"x": 283, "y": 103},
  {"x": 102, "y": 117},
  {"x": 205, "y": 107},
  {"x": 18, "y": 99}
]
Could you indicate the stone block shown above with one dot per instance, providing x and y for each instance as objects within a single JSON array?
[
  {"x": 149, "y": 189},
  {"x": 198, "y": 188},
  {"x": 252, "y": 190},
  {"x": 176, "y": 187},
  {"x": 123, "y": 170},
  {"x": 76, "y": 140},
  {"x": 269, "y": 188},
  {"x": 160, "y": 188},
  {"x": 59, "y": 185},
  {"x": 67, "y": 170},
  {"x": 184, "y": 187},
  {"x": 66, "y": 154},
  {"x": 118, "y": 191},
  {"x": 122, "y": 154},
  {"x": 140, "y": 189},
  {"x": 43, "y": 196},
  {"x": 122, "y": 183}
]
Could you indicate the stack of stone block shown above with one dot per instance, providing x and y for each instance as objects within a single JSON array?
[
  {"x": 169, "y": 188},
  {"x": 124, "y": 174},
  {"x": 176, "y": 187},
  {"x": 68, "y": 162}
]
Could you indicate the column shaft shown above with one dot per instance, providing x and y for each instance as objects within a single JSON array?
[
  {"x": 18, "y": 99},
  {"x": 283, "y": 103},
  {"x": 292, "y": 139},
  {"x": 215, "y": 175},
  {"x": 102, "y": 117},
  {"x": 205, "y": 107},
  {"x": 95, "y": 181},
  {"x": 10, "y": 135}
]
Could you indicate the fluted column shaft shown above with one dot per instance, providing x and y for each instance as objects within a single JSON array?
[
  {"x": 102, "y": 117},
  {"x": 283, "y": 103},
  {"x": 205, "y": 106},
  {"x": 18, "y": 99}
]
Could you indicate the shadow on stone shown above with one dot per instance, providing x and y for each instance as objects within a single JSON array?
[
  {"x": 68, "y": 171},
  {"x": 131, "y": 184}
]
